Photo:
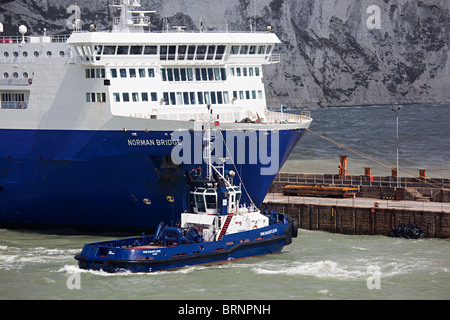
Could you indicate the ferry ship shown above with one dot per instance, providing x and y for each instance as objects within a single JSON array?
[{"x": 90, "y": 122}]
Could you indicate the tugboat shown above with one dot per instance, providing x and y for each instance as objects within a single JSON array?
[{"x": 217, "y": 229}]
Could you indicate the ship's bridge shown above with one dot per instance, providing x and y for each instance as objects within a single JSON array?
[{"x": 174, "y": 48}]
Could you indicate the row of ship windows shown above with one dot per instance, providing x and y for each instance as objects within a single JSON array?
[
  {"x": 36, "y": 54},
  {"x": 16, "y": 75},
  {"x": 175, "y": 52},
  {"x": 180, "y": 98},
  {"x": 176, "y": 74},
  {"x": 14, "y": 101}
]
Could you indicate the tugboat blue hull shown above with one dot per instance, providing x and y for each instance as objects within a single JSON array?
[{"x": 138, "y": 255}]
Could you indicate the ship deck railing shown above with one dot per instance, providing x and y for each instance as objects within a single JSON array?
[
  {"x": 280, "y": 117},
  {"x": 34, "y": 39}
]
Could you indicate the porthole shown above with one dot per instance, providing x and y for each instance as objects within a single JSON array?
[
  {"x": 25, "y": 75},
  {"x": 6, "y": 75},
  {"x": 6, "y": 54},
  {"x": 49, "y": 54},
  {"x": 62, "y": 53},
  {"x": 36, "y": 54},
  {"x": 15, "y": 54},
  {"x": 15, "y": 75},
  {"x": 25, "y": 54}
]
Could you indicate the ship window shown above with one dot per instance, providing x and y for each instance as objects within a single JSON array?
[
  {"x": 200, "y": 97},
  {"x": 186, "y": 98},
  {"x": 181, "y": 52},
  {"x": 201, "y": 50},
  {"x": 250, "y": 72},
  {"x": 252, "y": 50},
  {"x": 257, "y": 71},
  {"x": 213, "y": 97},
  {"x": 234, "y": 50},
  {"x": 226, "y": 98},
  {"x": 200, "y": 203},
  {"x": 172, "y": 98},
  {"x": 204, "y": 75},
  {"x": 197, "y": 74},
  {"x": 36, "y": 54},
  {"x": 170, "y": 74},
  {"x": 133, "y": 73},
  {"x": 98, "y": 49},
  {"x": 241, "y": 95},
  {"x": 210, "y": 201},
  {"x": 123, "y": 73},
  {"x": 217, "y": 73},
  {"x": 92, "y": 97},
  {"x": 151, "y": 50},
  {"x": 211, "y": 52},
  {"x": 25, "y": 54},
  {"x": 192, "y": 97},
  {"x": 88, "y": 97},
  {"x": 163, "y": 74},
  {"x": 114, "y": 73},
  {"x": 176, "y": 74},
  {"x": 247, "y": 95},
  {"x": 210, "y": 74},
  {"x": 126, "y": 97},
  {"x": 109, "y": 50},
  {"x": 261, "y": 49},
  {"x": 123, "y": 49},
  {"x": 25, "y": 74},
  {"x": 166, "y": 98},
  {"x": 6, "y": 54},
  {"x": 61, "y": 54},
  {"x": 260, "y": 94},
  {"x": 172, "y": 52},
  {"x": 253, "y": 94},
  {"x": 219, "y": 97},
  {"x": 151, "y": 73},
  {"x": 6, "y": 75},
  {"x": 15, "y": 75},
  {"x": 154, "y": 96},
  {"x": 269, "y": 48},
  {"x": 232, "y": 72},
  {"x": 136, "y": 49},
  {"x": 219, "y": 53},
  {"x": 244, "y": 50},
  {"x": 49, "y": 54},
  {"x": 179, "y": 98},
  {"x": 144, "y": 96},
  {"x": 207, "y": 100},
  {"x": 223, "y": 74},
  {"x": 116, "y": 97},
  {"x": 15, "y": 54},
  {"x": 238, "y": 72},
  {"x": 92, "y": 73},
  {"x": 141, "y": 73},
  {"x": 183, "y": 74},
  {"x": 163, "y": 52},
  {"x": 135, "y": 96},
  {"x": 244, "y": 72},
  {"x": 191, "y": 53}
]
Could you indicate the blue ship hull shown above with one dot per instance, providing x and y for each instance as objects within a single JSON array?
[
  {"x": 137, "y": 255},
  {"x": 102, "y": 180}
]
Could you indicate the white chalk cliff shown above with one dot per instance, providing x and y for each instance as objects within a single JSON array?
[{"x": 334, "y": 52}]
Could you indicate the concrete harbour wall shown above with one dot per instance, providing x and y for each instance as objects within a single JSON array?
[{"x": 363, "y": 221}]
